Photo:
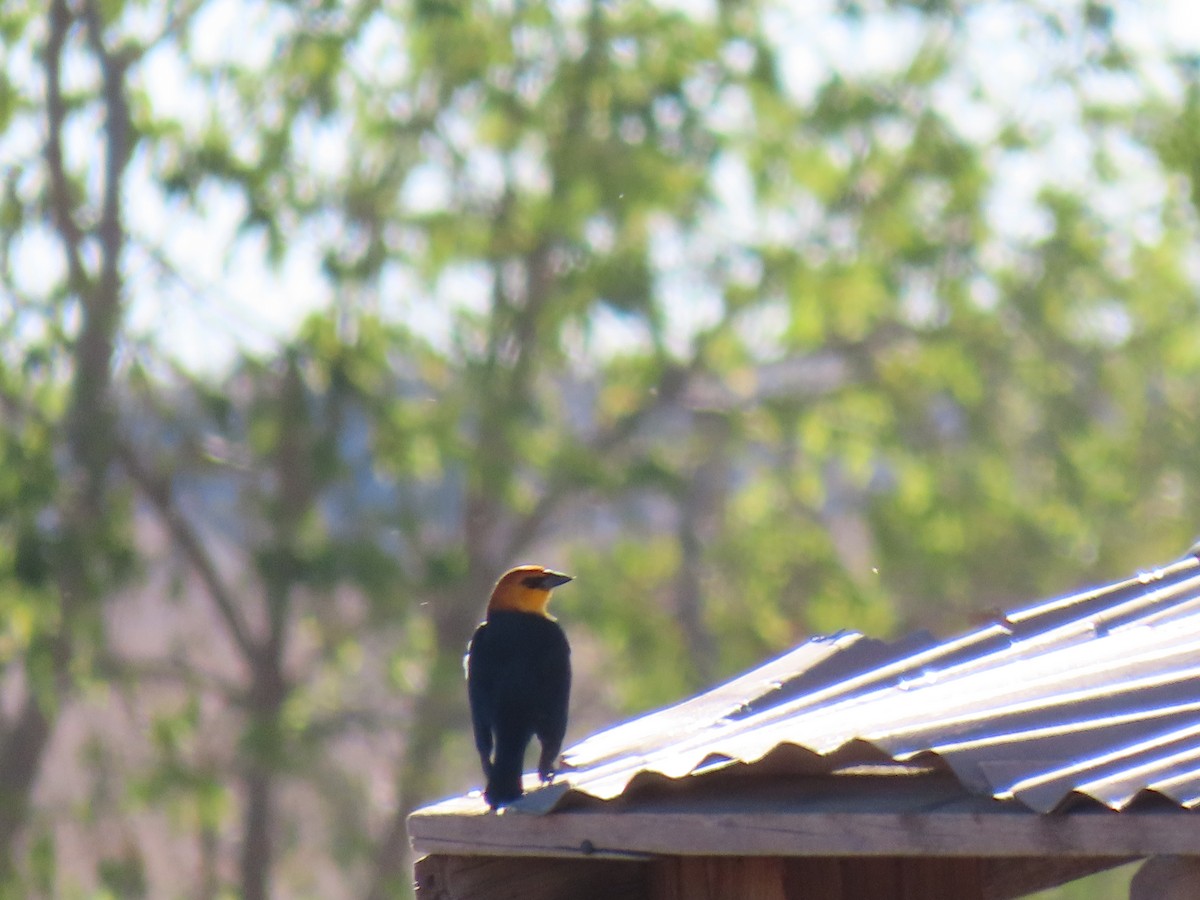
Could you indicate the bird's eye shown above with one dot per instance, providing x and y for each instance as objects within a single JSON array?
[{"x": 533, "y": 581}]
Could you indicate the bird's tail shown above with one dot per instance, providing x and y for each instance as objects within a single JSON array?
[{"x": 504, "y": 779}]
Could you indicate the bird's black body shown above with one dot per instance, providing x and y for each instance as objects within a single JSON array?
[{"x": 519, "y": 684}]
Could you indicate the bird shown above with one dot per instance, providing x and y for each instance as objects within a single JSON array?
[{"x": 518, "y": 681}]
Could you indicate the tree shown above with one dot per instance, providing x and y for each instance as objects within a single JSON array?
[{"x": 65, "y": 526}]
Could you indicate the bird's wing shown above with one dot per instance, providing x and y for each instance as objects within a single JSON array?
[
  {"x": 480, "y": 665},
  {"x": 556, "y": 681}
]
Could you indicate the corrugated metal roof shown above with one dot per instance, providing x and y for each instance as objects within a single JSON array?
[{"x": 1094, "y": 695}]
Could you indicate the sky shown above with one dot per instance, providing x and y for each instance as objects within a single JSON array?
[{"x": 217, "y": 301}]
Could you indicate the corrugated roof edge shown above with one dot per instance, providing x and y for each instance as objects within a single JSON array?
[{"x": 834, "y": 696}]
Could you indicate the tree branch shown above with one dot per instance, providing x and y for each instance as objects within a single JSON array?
[
  {"x": 117, "y": 148},
  {"x": 157, "y": 490},
  {"x": 671, "y": 388},
  {"x": 169, "y": 671},
  {"x": 62, "y": 204}
]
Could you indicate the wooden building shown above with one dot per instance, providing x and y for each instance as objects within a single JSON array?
[{"x": 1054, "y": 742}]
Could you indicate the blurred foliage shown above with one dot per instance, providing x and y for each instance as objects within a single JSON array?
[
  {"x": 1111, "y": 884},
  {"x": 763, "y": 322}
]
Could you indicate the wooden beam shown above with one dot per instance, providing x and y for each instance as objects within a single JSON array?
[
  {"x": 633, "y": 833},
  {"x": 883, "y": 878},
  {"x": 914, "y": 815},
  {"x": 499, "y": 878},
  {"x": 779, "y": 878},
  {"x": 934, "y": 879},
  {"x": 717, "y": 878},
  {"x": 698, "y": 878}
]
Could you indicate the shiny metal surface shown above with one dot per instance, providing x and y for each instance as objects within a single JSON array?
[{"x": 1094, "y": 695}]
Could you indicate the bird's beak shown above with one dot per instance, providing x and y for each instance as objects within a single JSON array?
[{"x": 551, "y": 579}]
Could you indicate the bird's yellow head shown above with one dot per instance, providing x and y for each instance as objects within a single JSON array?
[{"x": 526, "y": 589}]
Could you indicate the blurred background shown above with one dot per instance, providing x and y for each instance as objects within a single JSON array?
[{"x": 764, "y": 319}]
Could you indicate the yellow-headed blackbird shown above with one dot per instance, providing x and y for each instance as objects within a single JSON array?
[{"x": 518, "y": 680}]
